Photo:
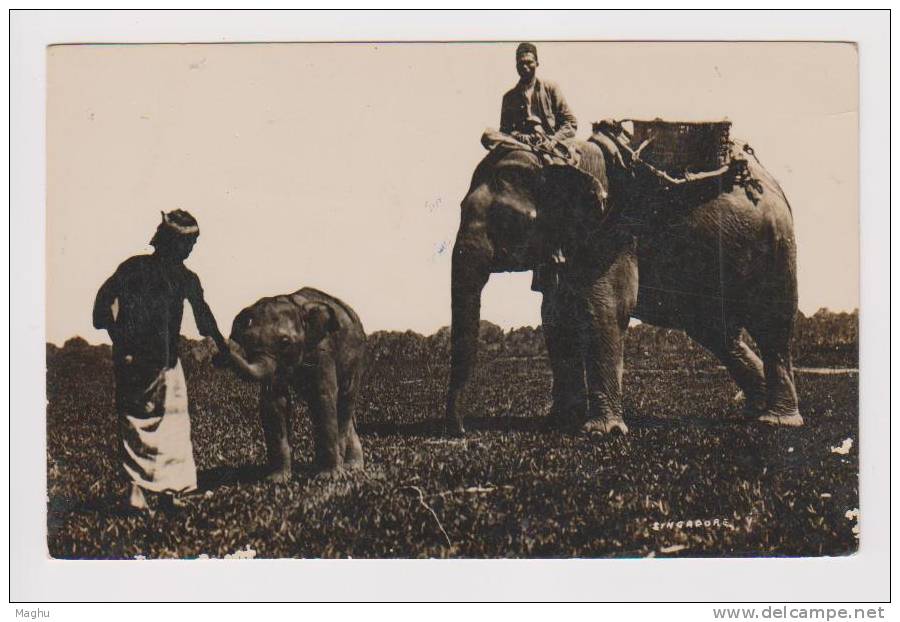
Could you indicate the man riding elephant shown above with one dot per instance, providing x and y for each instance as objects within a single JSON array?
[{"x": 535, "y": 112}]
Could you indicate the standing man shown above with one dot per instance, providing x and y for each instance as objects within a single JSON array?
[
  {"x": 141, "y": 307},
  {"x": 533, "y": 109}
]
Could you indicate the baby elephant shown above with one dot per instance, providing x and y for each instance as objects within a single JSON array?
[{"x": 314, "y": 343}]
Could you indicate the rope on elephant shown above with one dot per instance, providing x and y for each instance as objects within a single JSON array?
[
  {"x": 752, "y": 186},
  {"x": 734, "y": 168}
]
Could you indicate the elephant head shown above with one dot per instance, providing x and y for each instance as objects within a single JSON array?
[{"x": 277, "y": 334}]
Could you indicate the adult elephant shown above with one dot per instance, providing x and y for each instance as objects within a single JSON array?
[
  {"x": 705, "y": 257},
  {"x": 314, "y": 344}
]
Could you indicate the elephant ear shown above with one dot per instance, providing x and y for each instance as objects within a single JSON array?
[
  {"x": 574, "y": 197},
  {"x": 319, "y": 320},
  {"x": 241, "y": 322}
]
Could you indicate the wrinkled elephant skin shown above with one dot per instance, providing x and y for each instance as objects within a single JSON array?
[{"x": 710, "y": 260}]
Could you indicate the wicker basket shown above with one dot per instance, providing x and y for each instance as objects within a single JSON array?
[{"x": 677, "y": 147}]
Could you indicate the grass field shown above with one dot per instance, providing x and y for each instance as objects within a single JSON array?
[{"x": 511, "y": 489}]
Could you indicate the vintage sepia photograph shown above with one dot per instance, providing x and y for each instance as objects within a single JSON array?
[{"x": 488, "y": 299}]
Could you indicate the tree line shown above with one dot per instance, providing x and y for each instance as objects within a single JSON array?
[{"x": 824, "y": 339}]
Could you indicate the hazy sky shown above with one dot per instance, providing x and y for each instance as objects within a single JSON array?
[{"x": 341, "y": 166}]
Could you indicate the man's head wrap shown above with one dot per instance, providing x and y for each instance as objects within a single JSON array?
[
  {"x": 526, "y": 48},
  {"x": 175, "y": 223}
]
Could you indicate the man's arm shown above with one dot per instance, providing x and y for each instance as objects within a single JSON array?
[
  {"x": 103, "y": 303},
  {"x": 564, "y": 113},
  {"x": 507, "y": 115},
  {"x": 206, "y": 322}
]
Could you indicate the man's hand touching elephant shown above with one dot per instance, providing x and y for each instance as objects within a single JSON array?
[{"x": 222, "y": 358}]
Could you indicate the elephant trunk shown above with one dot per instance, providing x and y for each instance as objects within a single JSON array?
[{"x": 260, "y": 369}]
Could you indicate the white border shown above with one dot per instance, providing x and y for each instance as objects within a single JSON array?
[{"x": 862, "y": 577}]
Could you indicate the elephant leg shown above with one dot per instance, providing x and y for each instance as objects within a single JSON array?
[
  {"x": 353, "y": 452},
  {"x": 274, "y": 406},
  {"x": 566, "y": 352},
  {"x": 322, "y": 396},
  {"x": 774, "y": 342},
  {"x": 350, "y": 445},
  {"x": 741, "y": 362},
  {"x": 610, "y": 300},
  {"x": 469, "y": 274}
]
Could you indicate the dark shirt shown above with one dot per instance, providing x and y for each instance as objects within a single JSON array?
[
  {"x": 547, "y": 105},
  {"x": 141, "y": 305}
]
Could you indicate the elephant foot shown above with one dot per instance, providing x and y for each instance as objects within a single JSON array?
[
  {"x": 753, "y": 411},
  {"x": 561, "y": 424},
  {"x": 566, "y": 416},
  {"x": 354, "y": 463},
  {"x": 330, "y": 474},
  {"x": 792, "y": 420},
  {"x": 754, "y": 406},
  {"x": 453, "y": 429},
  {"x": 605, "y": 426},
  {"x": 353, "y": 455},
  {"x": 552, "y": 423},
  {"x": 281, "y": 476}
]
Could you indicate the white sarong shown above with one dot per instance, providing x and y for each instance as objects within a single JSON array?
[{"x": 158, "y": 454}]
